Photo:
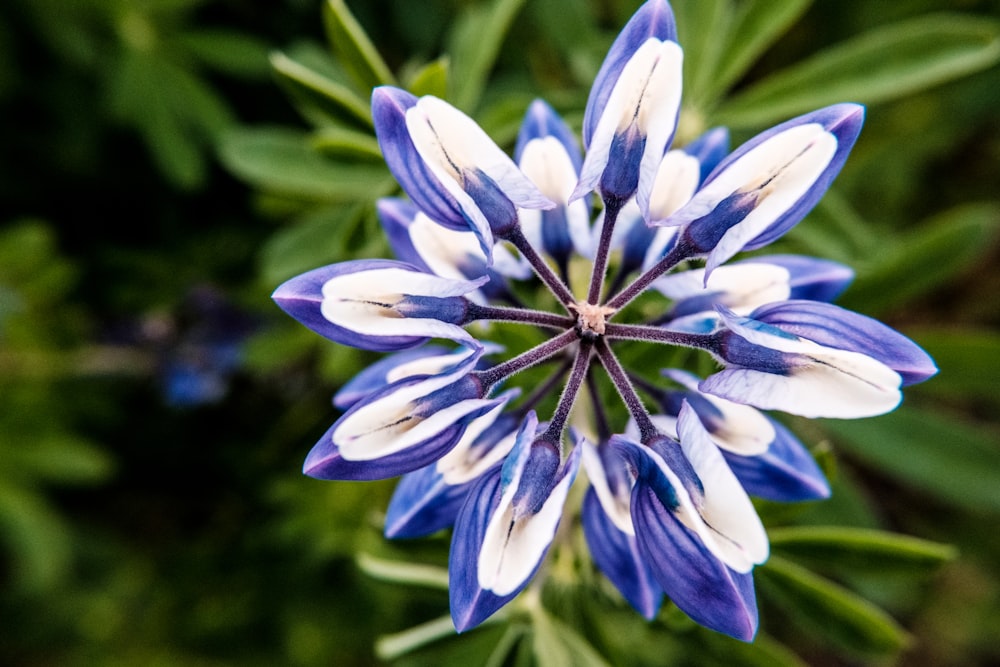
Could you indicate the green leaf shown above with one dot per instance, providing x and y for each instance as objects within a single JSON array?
[
  {"x": 926, "y": 258},
  {"x": 474, "y": 46},
  {"x": 227, "y": 51},
  {"x": 859, "y": 548},
  {"x": 390, "y": 647},
  {"x": 431, "y": 79},
  {"x": 58, "y": 457},
  {"x": 755, "y": 26},
  {"x": 829, "y": 611},
  {"x": 282, "y": 160},
  {"x": 351, "y": 45},
  {"x": 39, "y": 543},
  {"x": 701, "y": 27},
  {"x": 318, "y": 239},
  {"x": 969, "y": 361},
  {"x": 317, "y": 91},
  {"x": 340, "y": 142},
  {"x": 883, "y": 64},
  {"x": 950, "y": 459},
  {"x": 555, "y": 644},
  {"x": 403, "y": 572}
]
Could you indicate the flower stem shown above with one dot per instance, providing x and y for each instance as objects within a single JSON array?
[
  {"x": 516, "y": 237},
  {"x": 660, "y": 335},
  {"x": 491, "y": 376},
  {"x": 580, "y": 365},
  {"x": 626, "y": 390},
  {"x": 612, "y": 207},
  {"x": 677, "y": 254},
  {"x": 600, "y": 415},
  {"x": 477, "y": 311},
  {"x": 542, "y": 390}
]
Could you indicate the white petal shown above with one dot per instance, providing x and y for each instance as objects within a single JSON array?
[
  {"x": 512, "y": 549},
  {"x": 741, "y": 287},
  {"x": 362, "y": 301},
  {"x": 647, "y": 94},
  {"x": 738, "y": 536},
  {"x": 463, "y": 464},
  {"x": 443, "y": 249},
  {"x": 782, "y": 168},
  {"x": 617, "y": 508},
  {"x": 676, "y": 181}
]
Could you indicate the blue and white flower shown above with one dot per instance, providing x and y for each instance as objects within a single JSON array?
[{"x": 667, "y": 512}]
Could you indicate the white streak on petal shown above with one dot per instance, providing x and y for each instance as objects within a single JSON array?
[
  {"x": 727, "y": 512},
  {"x": 740, "y": 287},
  {"x": 647, "y": 94},
  {"x": 782, "y": 169},
  {"x": 617, "y": 508},
  {"x": 443, "y": 249},
  {"x": 427, "y": 365},
  {"x": 363, "y": 302},
  {"x": 676, "y": 181}
]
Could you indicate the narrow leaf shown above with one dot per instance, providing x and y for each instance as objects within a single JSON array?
[
  {"x": 830, "y": 611},
  {"x": 401, "y": 572},
  {"x": 340, "y": 142},
  {"x": 431, "y": 79},
  {"x": 702, "y": 26},
  {"x": 320, "y": 92},
  {"x": 475, "y": 45},
  {"x": 949, "y": 459},
  {"x": 355, "y": 51},
  {"x": 926, "y": 258},
  {"x": 883, "y": 64},
  {"x": 969, "y": 361},
  {"x": 390, "y": 647},
  {"x": 859, "y": 548}
]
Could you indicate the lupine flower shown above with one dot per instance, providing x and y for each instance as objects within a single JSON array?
[{"x": 667, "y": 512}]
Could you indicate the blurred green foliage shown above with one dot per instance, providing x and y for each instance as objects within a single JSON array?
[{"x": 133, "y": 532}]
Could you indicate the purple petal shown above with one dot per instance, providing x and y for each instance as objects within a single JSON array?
[
  {"x": 709, "y": 149},
  {"x": 540, "y": 121},
  {"x": 811, "y": 278},
  {"x": 843, "y": 329},
  {"x": 374, "y": 377},
  {"x": 389, "y": 106}
]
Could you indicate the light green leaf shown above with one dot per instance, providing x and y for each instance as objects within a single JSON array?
[
  {"x": 947, "y": 458},
  {"x": 926, "y": 258},
  {"x": 474, "y": 45},
  {"x": 830, "y": 611},
  {"x": 282, "y": 160},
  {"x": 431, "y": 79},
  {"x": 403, "y": 572},
  {"x": 318, "y": 91},
  {"x": 555, "y": 644},
  {"x": 390, "y": 647},
  {"x": 701, "y": 29},
  {"x": 884, "y": 64},
  {"x": 58, "y": 457},
  {"x": 969, "y": 361},
  {"x": 39, "y": 543},
  {"x": 755, "y": 26},
  {"x": 859, "y": 548},
  {"x": 351, "y": 45}
]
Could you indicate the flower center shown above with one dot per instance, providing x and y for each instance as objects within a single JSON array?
[{"x": 591, "y": 319}]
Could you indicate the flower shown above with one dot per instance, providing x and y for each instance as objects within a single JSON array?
[{"x": 667, "y": 512}]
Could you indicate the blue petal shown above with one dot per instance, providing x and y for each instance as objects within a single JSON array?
[
  {"x": 618, "y": 556},
  {"x": 374, "y": 377},
  {"x": 389, "y": 106},
  {"x": 811, "y": 278},
  {"x": 786, "y": 472},
  {"x": 709, "y": 149},
  {"x": 842, "y": 329},
  {"x": 698, "y": 583},
  {"x": 540, "y": 121},
  {"x": 653, "y": 19},
  {"x": 423, "y": 503}
]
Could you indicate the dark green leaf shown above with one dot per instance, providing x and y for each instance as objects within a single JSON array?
[
  {"x": 353, "y": 48},
  {"x": 227, "y": 51},
  {"x": 557, "y": 645},
  {"x": 318, "y": 239},
  {"x": 884, "y": 64},
  {"x": 831, "y": 612},
  {"x": 701, "y": 27},
  {"x": 339, "y": 142},
  {"x": 969, "y": 361},
  {"x": 859, "y": 548},
  {"x": 926, "y": 258},
  {"x": 283, "y": 160},
  {"x": 474, "y": 45},
  {"x": 947, "y": 458}
]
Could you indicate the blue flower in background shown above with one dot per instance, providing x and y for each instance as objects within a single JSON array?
[{"x": 667, "y": 511}]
